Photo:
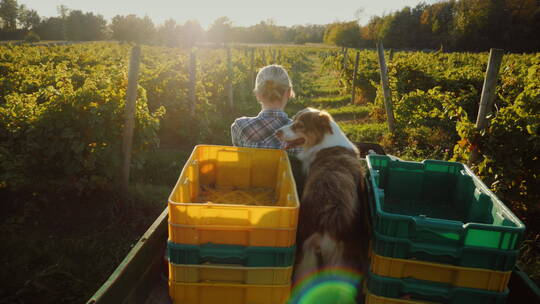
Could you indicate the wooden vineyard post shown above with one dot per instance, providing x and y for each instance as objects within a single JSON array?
[
  {"x": 488, "y": 94},
  {"x": 131, "y": 99},
  {"x": 252, "y": 69},
  {"x": 353, "y": 93},
  {"x": 192, "y": 81},
  {"x": 263, "y": 57},
  {"x": 229, "y": 77},
  {"x": 488, "y": 89},
  {"x": 391, "y": 55},
  {"x": 386, "y": 88},
  {"x": 345, "y": 53}
]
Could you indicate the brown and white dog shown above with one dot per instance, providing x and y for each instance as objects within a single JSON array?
[{"x": 330, "y": 225}]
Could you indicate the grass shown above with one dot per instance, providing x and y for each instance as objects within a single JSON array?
[
  {"x": 370, "y": 132},
  {"x": 326, "y": 102},
  {"x": 350, "y": 112},
  {"x": 62, "y": 250},
  {"x": 163, "y": 167},
  {"x": 328, "y": 89}
]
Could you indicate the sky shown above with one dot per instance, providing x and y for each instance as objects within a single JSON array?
[{"x": 240, "y": 12}]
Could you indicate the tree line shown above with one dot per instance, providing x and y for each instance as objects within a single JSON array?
[
  {"x": 17, "y": 22},
  {"x": 449, "y": 25}
]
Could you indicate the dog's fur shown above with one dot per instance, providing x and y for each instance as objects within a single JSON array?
[{"x": 330, "y": 225}]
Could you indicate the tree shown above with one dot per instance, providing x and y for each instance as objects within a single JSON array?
[
  {"x": 133, "y": 28},
  {"x": 467, "y": 23},
  {"x": 85, "y": 26},
  {"x": 358, "y": 14},
  {"x": 437, "y": 20},
  {"x": 63, "y": 11},
  {"x": 314, "y": 33},
  {"x": 51, "y": 29},
  {"x": 220, "y": 30},
  {"x": 523, "y": 25},
  {"x": 9, "y": 11},
  {"x": 371, "y": 31},
  {"x": 28, "y": 18},
  {"x": 402, "y": 29},
  {"x": 192, "y": 32},
  {"x": 169, "y": 33},
  {"x": 345, "y": 34},
  {"x": 264, "y": 31}
]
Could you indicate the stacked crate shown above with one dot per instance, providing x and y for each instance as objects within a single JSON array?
[
  {"x": 232, "y": 227},
  {"x": 438, "y": 235}
]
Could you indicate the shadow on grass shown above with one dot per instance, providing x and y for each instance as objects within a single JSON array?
[
  {"x": 62, "y": 250},
  {"x": 60, "y": 247}
]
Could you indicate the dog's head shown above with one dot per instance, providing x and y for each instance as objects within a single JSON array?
[{"x": 308, "y": 128}]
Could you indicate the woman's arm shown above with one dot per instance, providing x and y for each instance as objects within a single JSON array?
[{"x": 235, "y": 135}]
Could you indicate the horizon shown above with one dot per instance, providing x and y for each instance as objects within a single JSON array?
[{"x": 240, "y": 12}]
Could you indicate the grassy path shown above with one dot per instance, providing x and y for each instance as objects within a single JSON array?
[{"x": 326, "y": 92}]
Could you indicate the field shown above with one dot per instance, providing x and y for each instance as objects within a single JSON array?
[{"x": 63, "y": 224}]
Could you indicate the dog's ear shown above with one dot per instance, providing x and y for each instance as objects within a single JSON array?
[
  {"x": 323, "y": 122},
  {"x": 308, "y": 109}
]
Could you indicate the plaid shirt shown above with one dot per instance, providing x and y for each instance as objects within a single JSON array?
[{"x": 259, "y": 132}]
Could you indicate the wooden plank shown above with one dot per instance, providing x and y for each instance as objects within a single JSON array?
[
  {"x": 355, "y": 72},
  {"x": 522, "y": 288},
  {"x": 131, "y": 98},
  {"x": 130, "y": 275},
  {"x": 386, "y": 88}
]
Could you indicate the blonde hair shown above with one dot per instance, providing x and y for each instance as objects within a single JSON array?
[{"x": 272, "y": 82}]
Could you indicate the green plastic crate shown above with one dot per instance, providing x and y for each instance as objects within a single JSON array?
[
  {"x": 413, "y": 289},
  {"x": 438, "y": 202},
  {"x": 467, "y": 256},
  {"x": 231, "y": 254}
]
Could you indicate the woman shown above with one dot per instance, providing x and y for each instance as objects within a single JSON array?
[{"x": 273, "y": 88}]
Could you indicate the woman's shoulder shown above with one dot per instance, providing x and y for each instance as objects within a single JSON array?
[{"x": 242, "y": 121}]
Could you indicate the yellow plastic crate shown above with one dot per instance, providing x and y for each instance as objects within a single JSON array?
[
  {"x": 209, "y": 293},
  {"x": 237, "y": 196},
  {"x": 453, "y": 275},
  {"x": 240, "y": 235},
  {"x": 373, "y": 299},
  {"x": 230, "y": 274}
]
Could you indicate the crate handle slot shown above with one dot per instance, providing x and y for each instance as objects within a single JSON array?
[
  {"x": 412, "y": 286},
  {"x": 433, "y": 249},
  {"x": 437, "y": 227},
  {"x": 232, "y": 255},
  {"x": 234, "y": 151}
]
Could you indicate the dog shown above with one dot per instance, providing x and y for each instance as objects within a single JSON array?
[{"x": 330, "y": 225}]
